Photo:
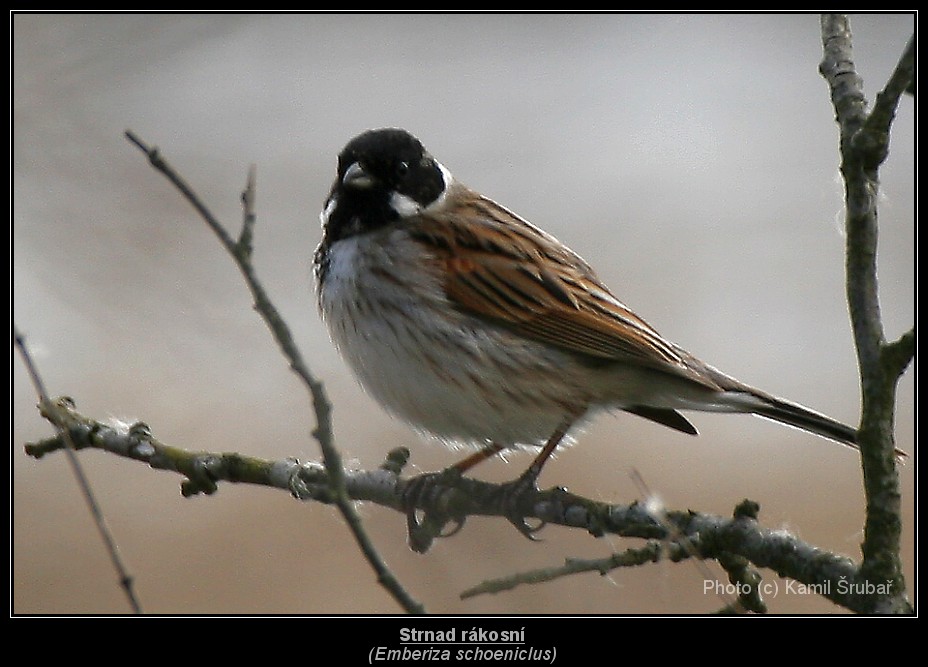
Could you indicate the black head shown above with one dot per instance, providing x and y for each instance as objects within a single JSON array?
[
  {"x": 383, "y": 175},
  {"x": 394, "y": 160}
]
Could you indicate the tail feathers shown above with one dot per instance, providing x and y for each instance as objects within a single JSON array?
[
  {"x": 808, "y": 420},
  {"x": 798, "y": 416},
  {"x": 667, "y": 417}
]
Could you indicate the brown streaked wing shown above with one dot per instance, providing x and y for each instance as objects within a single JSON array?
[{"x": 510, "y": 272}]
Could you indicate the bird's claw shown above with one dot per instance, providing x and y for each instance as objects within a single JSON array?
[
  {"x": 511, "y": 497},
  {"x": 527, "y": 531}
]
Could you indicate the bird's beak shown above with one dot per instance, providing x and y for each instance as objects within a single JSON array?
[{"x": 356, "y": 177}]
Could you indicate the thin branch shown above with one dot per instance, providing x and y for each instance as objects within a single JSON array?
[
  {"x": 240, "y": 250},
  {"x": 703, "y": 536},
  {"x": 154, "y": 157},
  {"x": 49, "y": 411},
  {"x": 652, "y": 552},
  {"x": 250, "y": 215},
  {"x": 861, "y": 187},
  {"x": 658, "y": 512},
  {"x": 746, "y": 581},
  {"x": 878, "y": 123},
  {"x": 899, "y": 354}
]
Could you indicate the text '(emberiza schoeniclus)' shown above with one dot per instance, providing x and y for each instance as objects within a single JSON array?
[{"x": 477, "y": 327}]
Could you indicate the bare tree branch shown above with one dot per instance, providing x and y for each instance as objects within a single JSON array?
[
  {"x": 66, "y": 442},
  {"x": 447, "y": 497},
  {"x": 240, "y": 250},
  {"x": 864, "y": 145},
  {"x": 652, "y": 552},
  {"x": 899, "y": 354},
  {"x": 877, "y": 124}
]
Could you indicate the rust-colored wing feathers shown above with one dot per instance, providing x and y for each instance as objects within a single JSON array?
[{"x": 510, "y": 274}]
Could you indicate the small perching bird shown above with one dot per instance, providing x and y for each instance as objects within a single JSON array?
[{"x": 477, "y": 327}]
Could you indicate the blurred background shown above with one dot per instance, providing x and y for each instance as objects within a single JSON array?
[{"x": 692, "y": 159}]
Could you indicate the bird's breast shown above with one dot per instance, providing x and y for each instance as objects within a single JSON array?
[{"x": 445, "y": 372}]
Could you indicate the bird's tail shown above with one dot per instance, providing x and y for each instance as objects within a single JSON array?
[{"x": 801, "y": 417}]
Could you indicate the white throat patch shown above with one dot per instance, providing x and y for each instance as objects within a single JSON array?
[
  {"x": 405, "y": 206},
  {"x": 327, "y": 211}
]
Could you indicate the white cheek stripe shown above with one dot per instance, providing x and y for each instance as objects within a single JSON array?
[
  {"x": 448, "y": 179},
  {"x": 327, "y": 211},
  {"x": 406, "y": 207}
]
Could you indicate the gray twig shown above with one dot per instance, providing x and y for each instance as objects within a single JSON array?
[
  {"x": 651, "y": 552},
  {"x": 240, "y": 250},
  {"x": 58, "y": 418},
  {"x": 682, "y": 534}
]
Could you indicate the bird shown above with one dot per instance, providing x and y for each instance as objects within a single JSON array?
[{"x": 478, "y": 328}]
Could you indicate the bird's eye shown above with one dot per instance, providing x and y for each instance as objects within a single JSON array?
[{"x": 402, "y": 169}]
